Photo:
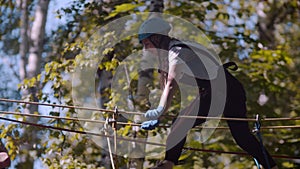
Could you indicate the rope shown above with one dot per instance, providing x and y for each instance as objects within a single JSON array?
[
  {"x": 70, "y": 107},
  {"x": 131, "y": 124},
  {"x": 281, "y": 119},
  {"x": 216, "y": 118},
  {"x": 281, "y": 127},
  {"x": 265, "y": 128},
  {"x": 52, "y": 117},
  {"x": 108, "y": 144},
  {"x": 237, "y": 153},
  {"x": 114, "y": 126},
  {"x": 63, "y": 118},
  {"x": 138, "y": 113},
  {"x": 139, "y": 141}
]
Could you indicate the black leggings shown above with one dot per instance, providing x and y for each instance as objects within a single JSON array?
[{"x": 235, "y": 106}]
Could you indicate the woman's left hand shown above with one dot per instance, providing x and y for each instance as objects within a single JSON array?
[{"x": 154, "y": 113}]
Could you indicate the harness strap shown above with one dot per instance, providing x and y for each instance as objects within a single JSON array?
[{"x": 198, "y": 49}]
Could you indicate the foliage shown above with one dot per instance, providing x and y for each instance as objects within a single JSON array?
[{"x": 230, "y": 25}]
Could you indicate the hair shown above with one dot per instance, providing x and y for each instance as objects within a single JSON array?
[{"x": 160, "y": 41}]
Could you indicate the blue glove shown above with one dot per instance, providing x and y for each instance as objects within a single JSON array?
[
  {"x": 149, "y": 125},
  {"x": 154, "y": 114}
]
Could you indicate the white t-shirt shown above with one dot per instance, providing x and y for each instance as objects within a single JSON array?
[{"x": 194, "y": 60}]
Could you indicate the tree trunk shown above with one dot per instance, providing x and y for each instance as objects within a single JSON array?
[
  {"x": 35, "y": 48},
  {"x": 265, "y": 26},
  {"x": 268, "y": 20},
  {"x": 156, "y": 6},
  {"x": 146, "y": 76},
  {"x": 145, "y": 79},
  {"x": 37, "y": 38},
  {"x": 24, "y": 40}
]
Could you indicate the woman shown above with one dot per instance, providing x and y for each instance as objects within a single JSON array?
[{"x": 180, "y": 64}]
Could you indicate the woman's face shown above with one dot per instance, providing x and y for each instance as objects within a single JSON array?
[{"x": 148, "y": 45}]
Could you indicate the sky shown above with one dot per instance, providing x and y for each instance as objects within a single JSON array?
[{"x": 52, "y": 21}]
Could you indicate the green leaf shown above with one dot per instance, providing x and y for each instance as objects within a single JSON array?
[
  {"x": 212, "y": 6},
  {"x": 122, "y": 8}
]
